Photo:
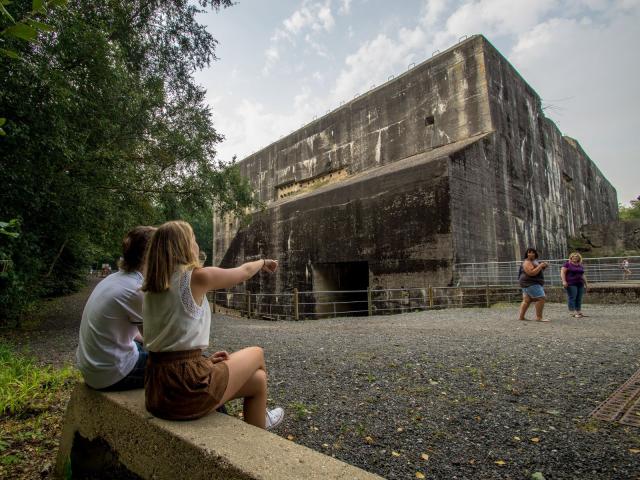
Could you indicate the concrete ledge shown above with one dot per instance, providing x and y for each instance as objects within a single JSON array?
[{"x": 133, "y": 444}]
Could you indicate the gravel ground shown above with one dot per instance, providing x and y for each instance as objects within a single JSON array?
[
  {"x": 451, "y": 394},
  {"x": 480, "y": 393}
]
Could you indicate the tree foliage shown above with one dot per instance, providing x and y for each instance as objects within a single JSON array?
[
  {"x": 105, "y": 129},
  {"x": 631, "y": 212}
]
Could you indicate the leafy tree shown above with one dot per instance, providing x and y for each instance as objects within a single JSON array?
[
  {"x": 632, "y": 212},
  {"x": 106, "y": 129}
]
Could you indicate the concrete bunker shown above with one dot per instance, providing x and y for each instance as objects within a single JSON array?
[{"x": 451, "y": 162}]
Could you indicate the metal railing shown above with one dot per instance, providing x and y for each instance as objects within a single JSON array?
[
  {"x": 329, "y": 304},
  {"x": 477, "y": 285},
  {"x": 597, "y": 270}
]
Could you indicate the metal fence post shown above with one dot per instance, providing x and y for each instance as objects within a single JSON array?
[
  {"x": 369, "y": 304},
  {"x": 248, "y": 304},
  {"x": 430, "y": 296},
  {"x": 296, "y": 313},
  {"x": 486, "y": 293},
  {"x": 213, "y": 302}
]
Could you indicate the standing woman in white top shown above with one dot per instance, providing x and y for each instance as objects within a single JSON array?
[{"x": 181, "y": 383}]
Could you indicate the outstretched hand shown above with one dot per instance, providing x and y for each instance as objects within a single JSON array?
[{"x": 270, "y": 265}]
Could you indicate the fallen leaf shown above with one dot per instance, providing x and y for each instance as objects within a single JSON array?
[
  {"x": 420, "y": 475},
  {"x": 472, "y": 461},
  {"x": 325, "y": 445},
  {"x": 517, "y": 439},
  {"x": 424, "y": 456},
  {"x": 400, "y": 429},
  {"x": 634, "y": 450},
  {"x": 537, "y": 476},
  {"x": 368, "y": 440},
  {"x": 289, "y": 437},
  {"x": 395, "y": 454},
  {"x": 500, "y": 462},
  {"x": 535, "y": 439}
]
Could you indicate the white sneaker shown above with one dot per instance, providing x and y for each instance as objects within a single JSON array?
[{"x": 274, "y": 418}]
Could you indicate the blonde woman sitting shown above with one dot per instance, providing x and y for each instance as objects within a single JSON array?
[{"x": 181, "y": 383}]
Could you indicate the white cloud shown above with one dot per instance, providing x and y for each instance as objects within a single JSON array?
[
  {"x": 350, "y": 32},
  {"x": 312, "y": 15},
  {"x": 433, "y": 9},
  {"x": 345, "y": 7},
  {"x": 497, "y": 17},
  {"x": 271, "y": 55},
  {"x": 589, "y": 71},
  {"x": 313, "y": 18}
]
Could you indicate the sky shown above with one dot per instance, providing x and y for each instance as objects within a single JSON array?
[{"x": 282, "y": 63}]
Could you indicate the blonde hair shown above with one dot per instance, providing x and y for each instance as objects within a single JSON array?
[
  {"x": 171, "y": 246},
  {"x": 575, "y": 254}
]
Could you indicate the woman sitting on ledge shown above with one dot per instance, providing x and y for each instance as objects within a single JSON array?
[{"x": 181, "y": 383}]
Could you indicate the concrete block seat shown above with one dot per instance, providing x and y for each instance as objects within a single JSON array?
[{"x": 111, "y": 435}]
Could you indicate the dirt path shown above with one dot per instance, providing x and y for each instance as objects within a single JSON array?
[{"x": 51, "y": 332}]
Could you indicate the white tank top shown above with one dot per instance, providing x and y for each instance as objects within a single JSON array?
[{"x": 172, "y": 319}]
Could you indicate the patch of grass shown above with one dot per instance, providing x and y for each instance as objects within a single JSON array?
[
  {"x": 590, "y": 425},
  {"x": 234, "y": 407},
  {"x": 32, "y": 401},
  {"x": 25, "y": 386},
  {"x": 302, "y": 411}
]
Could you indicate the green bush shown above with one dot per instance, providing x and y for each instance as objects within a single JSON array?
[{"x": 25, "y": 386}]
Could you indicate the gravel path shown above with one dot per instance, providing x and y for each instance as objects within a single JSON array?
[{"x": 452, "y": 394}]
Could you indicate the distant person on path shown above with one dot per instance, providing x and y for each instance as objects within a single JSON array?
[
  {"x": 626, "y": 271},
  {"x": 181, "y": 383},
  {"x": 574, "y": 282},
  {"x": 110, "y": 354},
  {"x": 531, "y": 280}
]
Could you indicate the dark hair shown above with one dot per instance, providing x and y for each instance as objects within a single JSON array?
[
  {"x": 526, "y": 254},
  {"x": 134, "y": 247}
]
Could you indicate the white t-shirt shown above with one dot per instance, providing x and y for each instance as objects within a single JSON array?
[
  {"x": 106, "y": 350},
  {"x": 173, "y": 321}
]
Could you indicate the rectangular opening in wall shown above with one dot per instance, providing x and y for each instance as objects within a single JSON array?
[
  {"x": 428, "y": 121},
  {"x": 342, "y": 288}
]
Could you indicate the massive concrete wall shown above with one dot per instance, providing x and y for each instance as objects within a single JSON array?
[
  {"x": 439, "y": 102},
  {"x": 451, "y": 162},
  {"x": 526, "y": 185}
]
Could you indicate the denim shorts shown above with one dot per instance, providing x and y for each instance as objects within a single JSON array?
[{"x": 534, "y": 291}]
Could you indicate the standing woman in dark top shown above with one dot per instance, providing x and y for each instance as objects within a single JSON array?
[
  {"x": 575, "y": 283},
  {"x": 531, "y": 280}
]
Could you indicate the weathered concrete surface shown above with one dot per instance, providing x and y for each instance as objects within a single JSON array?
[
  {"x": 345, "y": 194},
  {"x": 611, "y": 239},
  {"x": 394, "y": 220},
  {"x": 214, "y": 447}
]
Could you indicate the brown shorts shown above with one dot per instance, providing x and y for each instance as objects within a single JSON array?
[{"x": 183, "y": 385}]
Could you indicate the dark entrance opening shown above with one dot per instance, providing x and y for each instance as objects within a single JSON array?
[{"x": 341, "y": 288}]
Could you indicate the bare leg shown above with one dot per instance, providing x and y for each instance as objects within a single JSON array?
[
  {"x": 539, "y": 308},
  {"x": 248, "y": 380},
  {"x": 524, "y": 306}
]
